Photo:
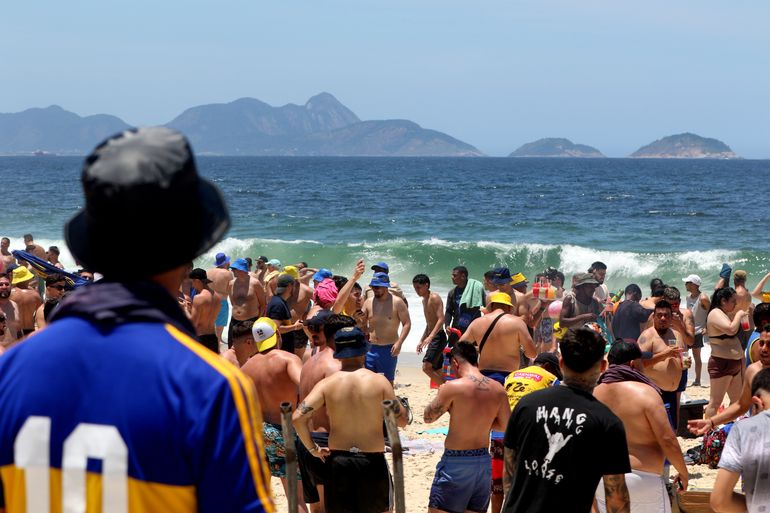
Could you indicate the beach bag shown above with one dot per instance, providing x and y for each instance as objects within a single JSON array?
[{"x": 713, "y": 444}]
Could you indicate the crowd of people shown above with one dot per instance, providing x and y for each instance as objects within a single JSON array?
[{"x": 561, "y": 396}]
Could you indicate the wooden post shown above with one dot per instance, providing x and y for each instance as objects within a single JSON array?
[
  {"x": 291, "y": 456},
  {"x": 389, "y": 410}
]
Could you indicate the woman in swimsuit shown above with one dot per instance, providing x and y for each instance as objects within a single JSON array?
[{"x": 725, "y": 364}]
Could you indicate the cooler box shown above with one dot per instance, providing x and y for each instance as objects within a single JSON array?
[{"x": 689, "y": 411}]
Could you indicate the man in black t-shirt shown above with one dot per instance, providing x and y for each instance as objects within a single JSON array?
[
  {"x": 560, "y": 441},
  {"x": 631, "y": 316},
  {"x": 278, "y": 310}
]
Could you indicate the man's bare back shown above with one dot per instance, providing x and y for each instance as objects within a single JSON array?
[
  {"x": 27, "y": 300},
  {"x": 205, "y": 308},
  {"x": 353, "y": 402},
  {"x": 501, "y": 350},
  {"x": 476, "y": 405},
  {"x": 247, "y": 298},
  {"x": 220, "y": 280},
  {"x": 321, "y": 365},
  {"x": 668, "y": 372},
  {"x": 276, "y": 376}
]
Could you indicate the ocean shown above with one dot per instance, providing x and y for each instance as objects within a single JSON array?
[{"x": 643, "y": 218}]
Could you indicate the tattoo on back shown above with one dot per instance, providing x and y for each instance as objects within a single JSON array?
[
  {"x": 481, "y": 384},
  {"x": 304, "y": 409}
]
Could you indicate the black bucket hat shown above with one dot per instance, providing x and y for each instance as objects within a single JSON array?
[{"x": 142, "y": 188}]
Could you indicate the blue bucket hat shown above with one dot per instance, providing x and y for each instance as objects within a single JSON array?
[
  {"x": 221, "y": 259},
  {"x": 502, "y": 275},
  {"x": 349, "y": 342},
  {"x": 240, "y": 265},
  {"x": 322, "y": 274},
  {"x": 380, "y": 280},
  {"x": 381, "y": 265}
]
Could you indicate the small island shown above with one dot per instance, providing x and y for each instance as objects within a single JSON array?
[
  {"x": 556, "y": 147},
  {"x": 685, "y": 146}
]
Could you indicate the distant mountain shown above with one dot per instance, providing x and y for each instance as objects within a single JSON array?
[
  {"x": 55, "y": 130},
  {"x": 686, "y": 146},
  {"x": 555, "y": 147},
  {"x": 323, "y": 126}
]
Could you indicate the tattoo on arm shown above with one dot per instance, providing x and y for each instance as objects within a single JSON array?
[
  {"x": 509, "y": 459},
  {"x": 434, "y": 410},
  {"x": 304, "y": 409},
  {"x": 616, "y": 494}
]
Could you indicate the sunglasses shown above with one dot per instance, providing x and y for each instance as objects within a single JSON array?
[{"x": 57, "y": 287}]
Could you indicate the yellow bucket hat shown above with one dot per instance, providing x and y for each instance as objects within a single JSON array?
[{"x": 21, "y": 274}]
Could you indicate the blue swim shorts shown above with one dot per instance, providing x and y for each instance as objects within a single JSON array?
[
  {"x": 379, "y": 360},
  {"x": 224, "y": 315},
  {"x": 462, "y": 481}
]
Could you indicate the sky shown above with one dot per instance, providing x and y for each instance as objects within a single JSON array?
[{"x": 496, "y": 74}]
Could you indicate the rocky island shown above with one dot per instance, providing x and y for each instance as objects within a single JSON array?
[
  {"x": 685, "y": 146},
  {"x": 556, "y": 147}
]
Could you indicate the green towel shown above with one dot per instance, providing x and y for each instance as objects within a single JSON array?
[{"x": 473, "y": 295}]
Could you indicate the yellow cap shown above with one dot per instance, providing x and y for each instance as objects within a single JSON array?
[
  {"x": 291, "y": 271},
  {"x": 21, "y": 274},
  {"x": 518, "y": 278},
  {"x": 500, "y": 298},
  {"x": 265, "y": 333}
]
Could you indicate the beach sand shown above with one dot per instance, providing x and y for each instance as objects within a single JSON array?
[{"x": 419, "y": 466}]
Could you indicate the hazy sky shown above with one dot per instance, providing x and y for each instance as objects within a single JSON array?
[{"x": 496, "y": 74}]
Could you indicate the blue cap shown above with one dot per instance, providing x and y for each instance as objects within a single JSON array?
[
  {"x": 221, "y": 259},
  {"x": 380, "y": 280},
  {"x": 350, "y": 342},
  {"x": 321, "y": 274},
  {"x": 240, "y": 265},
  {"x": 501, "y": 276},
  {"x": 381, "y": 265}
]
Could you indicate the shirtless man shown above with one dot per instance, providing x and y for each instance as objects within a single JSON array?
[
  {"x": 6, "y": 255},
  {"x": 321, "y": 328},
  {"x": 27, "y": 299},
  {"x": 299, "y": 304},
  {"x": 666, "y": 345},
  {"x": 508, "y": 284},
  {"x": 743, "y": 404},
  {"x": 499, "y": 353},
  {"x": 32, "y": 248},
  {"x": 53, "y": 257},
  {"x": 204, "y": 309},
  {"x": 244, "y": 346},
  {"x": 384, "y": 313},
  {"x": 528, "y": 308},
  {"x": 476, "y": 405},
  {"x": 55, "y": 285},
  {"x": 393, "y": 288},
  {"x": 10, "y": 310},
  {"x": 221, "y": 277},
  {"x": 582, "y": 307},
  {"x": 358, "y": 478},
  {"x": 434, "y": 337},
  {"x": 649, "y": 436},
  {"x": 246, "y": 295},
  {"x": 275, "y": 374}
]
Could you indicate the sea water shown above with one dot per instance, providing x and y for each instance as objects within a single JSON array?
[{"x": 643, "y": 218}]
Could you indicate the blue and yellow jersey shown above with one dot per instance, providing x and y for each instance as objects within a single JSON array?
[{"x": 140, "y": 419}]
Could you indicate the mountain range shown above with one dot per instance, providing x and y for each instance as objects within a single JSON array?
[{"x": 323, "y": 126}]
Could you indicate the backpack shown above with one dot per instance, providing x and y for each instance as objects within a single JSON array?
[{"x": 713, "y": 443}]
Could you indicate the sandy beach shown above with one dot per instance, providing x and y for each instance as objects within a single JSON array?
[{"x": 425, "y": 448}]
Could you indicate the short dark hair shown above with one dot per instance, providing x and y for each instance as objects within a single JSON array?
[
  {"x": 663, "y": 305},
  {"x": 581, "y": 349},
  {"x": 461, "y": 269},
  {"x": 357, "y": 286},
  {"x": 334, "y": 323},
  {"x": 761, "y": 382},
  {"x": 54, "y": 278},
  {"x": 761, "y": 314},
  {"x": 54, "y": 250},
  {"x": 421, "y": 279},
  {"x": 467, "y": 351},
  {"x": 489, "y": 274},
  {"x": 633, "y": 290},
  {"x": 560, "y": 275},
  {"x": 597, "y": 266},
  {"x": 623, "y": 352},
  {"x": 28, "y": 236},
  {"x": 658, "y": 291},
  {"x": 656, "y": 283},
  {"x": 339, "y": 281},
  {"x": 248, "y": 261},
  {"x": 6, "y": 238},
  {"x": 672, "y": 294},
  {"x": 242, "y": 329}
]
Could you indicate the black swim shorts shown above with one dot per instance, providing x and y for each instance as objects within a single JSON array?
[
  {"x": 698, "y": 341},
  {"x": 357, "y": 483},
  {"x": 312, "y": 469},
  {"x": 434, "y": 354}
]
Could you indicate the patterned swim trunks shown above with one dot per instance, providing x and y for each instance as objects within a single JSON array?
[{"x": 276, "y": 450}]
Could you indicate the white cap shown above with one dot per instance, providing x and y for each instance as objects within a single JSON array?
[{"x": 693, "y": 278}]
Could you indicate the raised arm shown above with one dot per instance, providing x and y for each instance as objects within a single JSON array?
[
  {"x": 344, "y": 293},
  {"x": 757, "y": 292}
]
